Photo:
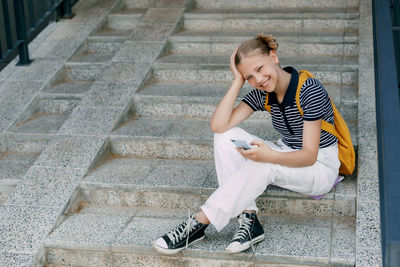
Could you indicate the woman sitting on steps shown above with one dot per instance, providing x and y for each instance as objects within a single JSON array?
[{"x": 304, "y": 160}]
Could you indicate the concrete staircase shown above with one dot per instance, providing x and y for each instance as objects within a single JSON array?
[
  {"x": 105, "y": 141},
  {"x": 158, "y": 162}
]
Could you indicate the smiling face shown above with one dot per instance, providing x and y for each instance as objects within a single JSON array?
[{"x": 260, "y": 70}]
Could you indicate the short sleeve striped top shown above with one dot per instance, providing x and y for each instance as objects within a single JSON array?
[{"x": 286, "y": 118}]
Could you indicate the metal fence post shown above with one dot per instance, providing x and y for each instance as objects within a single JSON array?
[
  {"x": 67, "y": 10},
  {"x": 21, "y": 32}
]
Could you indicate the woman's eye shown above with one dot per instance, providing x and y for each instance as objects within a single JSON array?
[
  {"x": 260, "y": 68},
  {"x": 249, "y": 77}
]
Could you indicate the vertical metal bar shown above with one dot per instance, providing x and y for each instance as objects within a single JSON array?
[
  {"x": 21, "y": 30},
  {"x": 67, "y": 10},
  {"x": 7, "y": 24},
  {"x": 1, "y": 52},
  {"x": 396, "y": 34},
  {"x": 41, "y": 10},
  {"x": 30, "y": 13},
  {"x": 3, "y": 41}
]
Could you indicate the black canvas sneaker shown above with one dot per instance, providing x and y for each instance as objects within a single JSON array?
[
  {"x": 186, "y": 233},
  {"x": 249, "y": 232}
]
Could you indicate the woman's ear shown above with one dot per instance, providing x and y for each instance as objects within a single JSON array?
[{"x": 274, "y": 57}]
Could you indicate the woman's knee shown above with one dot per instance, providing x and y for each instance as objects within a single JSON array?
[{"x": 232, "y": 133}]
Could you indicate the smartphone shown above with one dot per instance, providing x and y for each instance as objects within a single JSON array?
[{"x": 242, "y": 144}]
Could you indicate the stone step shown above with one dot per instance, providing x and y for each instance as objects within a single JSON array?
[
  {"x": 4, "y": 193},
  {"x": 181, "y": 138},
  {"x": 105, "y": 47},
  {"x": 139, "y": 4},
  {"x": 124, "y": 239},
  {"x": 13, "y": 167},
  {"x": 238, "y": 36},
  {"x": 205, "y": 58},
  {"x": 120, "y": 22},
  {"x": 264, "y": 4},
  {"x": 185, "y": 99},
  {"x": 33, "y": 134},
  {"x": 286, "y": 47},
  {"x": 83, "y": 71},
  {"x": 328, "y": 75},
  {"x": 67, "y": 89},
  {"x": 41, "y": 120},
  {"x": 92, "y": 58},
  {"x": 186, "y": 184},
  {"x": 173, "y": 138},
  {"x": 125, "y": 18},
  {"x": 273, "y": 12},
  {"x": 264, "y": 21}
]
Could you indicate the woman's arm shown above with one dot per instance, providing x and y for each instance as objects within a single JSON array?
[
  {"x": 304, "y": 157},
  {"x": 225, "y": 115}
]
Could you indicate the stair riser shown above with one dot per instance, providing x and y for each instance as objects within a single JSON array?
[
  {"x": 285, "y": 48},
  {"x": 60, "y": 106},
  {"x": 173, "y": 200},
  {"x": 265, "y": 25},
  {"x": 174, "y": 110},
  {"x": 290, "y": 14},
  {"x": 65, "y": 257},
  {"x": 161, "y": 149},
  {"x": 122, "y": 22},
  {"x": 195, "y": 111},
  {"x": 138, "y": 3},
  {"x": 3, "y": 197},
  {"x": 58, "y": 257},
  {"x": 27, "y": 143},
  {"x": 218, "y": 75},
  {"x": 84, "y": 73},
  {"x": 275, "y": 4},
  {"x": 282, "y": 37},
  {"x": 103, "y": 47},
  {"x": 160, "y": 105}
]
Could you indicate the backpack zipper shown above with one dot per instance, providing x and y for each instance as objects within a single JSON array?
[{"x": 282, "y": 109}]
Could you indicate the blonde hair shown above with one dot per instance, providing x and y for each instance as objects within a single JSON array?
[{"x": 263, "y": 43}]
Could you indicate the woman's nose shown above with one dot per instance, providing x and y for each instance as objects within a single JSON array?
[{"x": 259, "y": 79}]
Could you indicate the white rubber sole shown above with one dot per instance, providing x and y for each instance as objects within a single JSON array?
[
  {"x": 172, "y": 251},
  {"x": 246, "y": 245}
]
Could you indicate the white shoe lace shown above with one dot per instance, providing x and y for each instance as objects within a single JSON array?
[
  {"x": 244, "y": 228},
  {"x": 181, "y": 231}
]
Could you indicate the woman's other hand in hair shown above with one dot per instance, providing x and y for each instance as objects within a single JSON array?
[{"x": 236, "y": 74}]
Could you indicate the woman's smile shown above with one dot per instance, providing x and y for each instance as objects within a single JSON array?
[{"x": 265, "y": 83}]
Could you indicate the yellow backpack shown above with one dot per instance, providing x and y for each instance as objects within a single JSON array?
[{"x": 340, "y": 130}]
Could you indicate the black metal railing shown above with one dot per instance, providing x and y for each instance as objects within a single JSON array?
[
  {"x": 395, "y": 9},
  {"x": 386, "y": 51},
  {"x": 22, "y": 20}
]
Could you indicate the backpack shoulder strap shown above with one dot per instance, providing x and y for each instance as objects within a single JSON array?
[
  {"x": 303, "y": 76},
  {"x": 326, "y": 126},
  {"x": 266, "y": 106}
]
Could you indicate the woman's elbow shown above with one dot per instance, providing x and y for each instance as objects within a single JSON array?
[
  {"x": 312, "y": 161},
  {"x": 216, "y": 128},
  {"x": 311, "y": 158}
]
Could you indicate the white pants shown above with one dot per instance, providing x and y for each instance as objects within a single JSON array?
[{"x": 241, "y": 181}]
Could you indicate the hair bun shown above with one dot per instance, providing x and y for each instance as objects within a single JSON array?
[
  {"x": 268, "y": 40},
  {"x": 262, "y": 44}
]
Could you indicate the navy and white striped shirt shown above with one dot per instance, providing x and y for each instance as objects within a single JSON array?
[{"x": 286, "y": 118}]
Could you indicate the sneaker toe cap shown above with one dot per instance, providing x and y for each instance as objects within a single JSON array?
[
  {"x": 233, "y": 246},
  {"x": 160, "y": 242}
]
